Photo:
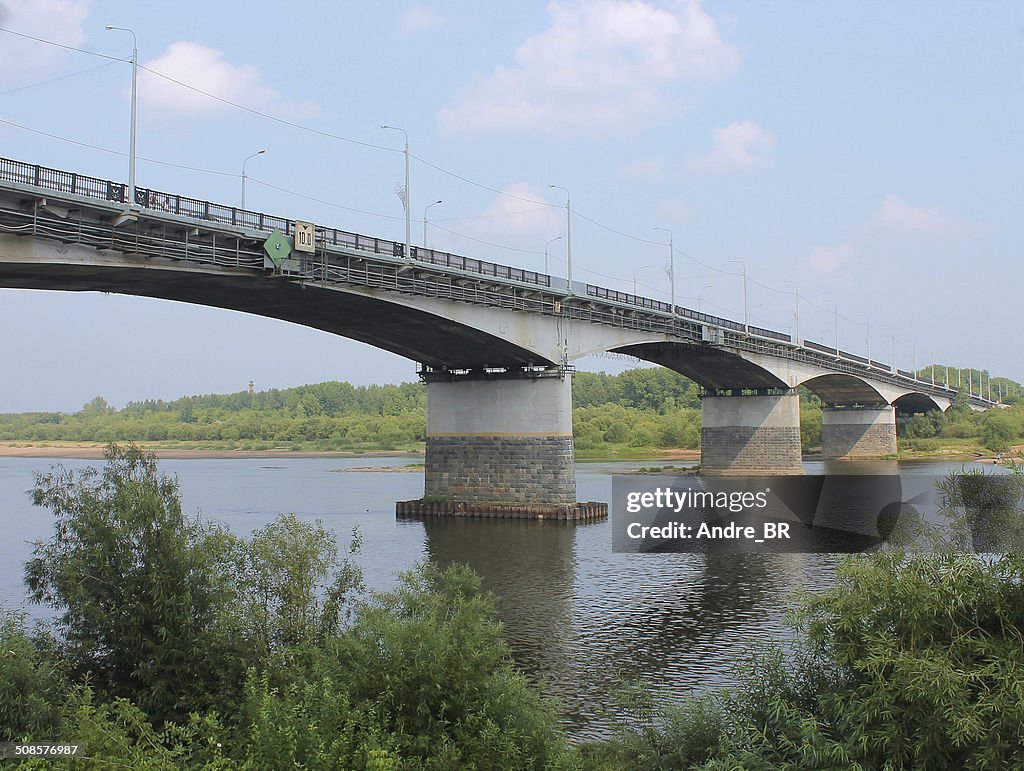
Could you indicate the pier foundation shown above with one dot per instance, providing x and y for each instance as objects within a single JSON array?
[
  {"x": 750, "y": 434},
  {"x": 502, "y": 439},
  {"x": 858, "y": 432}
]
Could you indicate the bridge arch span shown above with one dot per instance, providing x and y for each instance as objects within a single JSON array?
[
  {"x": 712, "y": 368},
  {"x": 837, "y": 389},
  {"x": 363, "y": 315},
  {"x": 915, "y": 402}
]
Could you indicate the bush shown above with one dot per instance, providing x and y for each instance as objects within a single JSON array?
[
  {"x": 139, "y": 587},
  {"x": 31, "y": 682}
]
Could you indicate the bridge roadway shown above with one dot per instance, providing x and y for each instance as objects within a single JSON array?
[{"x": 495, "y": 343}]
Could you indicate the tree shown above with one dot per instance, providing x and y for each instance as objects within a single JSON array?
[
  {"x": 997, "y": 430},
  {"x": 139, "y": 587}
]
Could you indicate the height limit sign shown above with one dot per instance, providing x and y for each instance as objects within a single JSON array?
[{"x": 305, "y": 240}]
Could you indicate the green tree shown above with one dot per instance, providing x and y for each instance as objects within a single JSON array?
[
  {"x": 291, "y": 587},
  {"x": 998, "y": 430},
  {"x": 31, "y": 682},
  {"x": 138, "y": 586}
]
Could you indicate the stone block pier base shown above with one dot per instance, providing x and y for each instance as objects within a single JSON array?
[
  {"x": 579, "y": 512},
  {"x": 500, "y": 444},
  {"x": 858, "y": 432},
  {"x": 750, "y": 434}
]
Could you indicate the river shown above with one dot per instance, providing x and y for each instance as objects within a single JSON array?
[{"x": 581, "y": 620}]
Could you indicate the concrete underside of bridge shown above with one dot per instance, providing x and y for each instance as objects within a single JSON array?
[{"x": 409, "y": 332}]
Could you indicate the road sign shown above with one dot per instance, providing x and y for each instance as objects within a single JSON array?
[
  {"x": 277, "y": 247},
  {"x": 305, "y": 238}
]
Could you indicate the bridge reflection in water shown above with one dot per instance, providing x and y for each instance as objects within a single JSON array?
[{"x": 584, "y": 621}]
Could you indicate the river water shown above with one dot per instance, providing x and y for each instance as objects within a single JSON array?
[{"x": 581, "y": 620}]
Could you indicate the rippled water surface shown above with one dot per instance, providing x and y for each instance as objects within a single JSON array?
[{"x": 580, "y": 619}]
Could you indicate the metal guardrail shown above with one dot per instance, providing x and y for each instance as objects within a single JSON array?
[
  {"x": 184, "y": 206},
  {"x": 647, "y": 314}
]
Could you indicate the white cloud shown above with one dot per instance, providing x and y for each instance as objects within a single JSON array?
[
  {"x": 603, "y": 64},
  {"x": 419, "y": 19},
  {"x": 896, "y": 214},
  {"x": 205, "y": 69},
  {"x": 740, "y": 146},
  {"x": 56, "y": 20},
  {"x": 522, "y": 217},
  {"x": 830, "y": 265}
]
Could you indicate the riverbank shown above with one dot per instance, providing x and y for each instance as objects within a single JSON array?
[{"x": 94, "y": 451}]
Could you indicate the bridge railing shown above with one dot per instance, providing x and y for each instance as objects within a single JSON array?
[{"x": 172, "y": 203}]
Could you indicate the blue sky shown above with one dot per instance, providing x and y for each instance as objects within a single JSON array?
[{"x": 869, "y": 153}]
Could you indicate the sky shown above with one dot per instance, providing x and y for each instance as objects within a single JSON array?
[{"x": 868, "y": 154}]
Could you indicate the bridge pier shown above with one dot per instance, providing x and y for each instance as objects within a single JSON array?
[
  {"x": 851, "y": 432},
  {"x": 502, "y": 439},
  {"x": 750, "y": 434}
]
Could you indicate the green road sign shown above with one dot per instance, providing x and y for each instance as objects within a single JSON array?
[{"x": 277, "y": 247}]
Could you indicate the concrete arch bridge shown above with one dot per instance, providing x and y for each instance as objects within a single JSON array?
[{"x": 495, "y": 343}]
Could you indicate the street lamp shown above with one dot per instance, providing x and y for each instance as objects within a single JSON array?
[
  {"x": 568, "y": 237},
  {"x": 709, "y": 286},
  {"x": 135, "y": 80},
  {"x": 260, "y": 152},
  {"x": 835, "y": 308},
  {"x": 671, "y": 268},
  {"x": 892, "y": 336},
  {"x": 867, "y": 333},
  {"x": 642, "y": 267},
  {"x": 435, "y": 203},
  {"x": 556, "y": 238},
  {"x": 406, "y": 198},
  {"x": 796, "y": 314},
  {"x": 746, "y": 309}
]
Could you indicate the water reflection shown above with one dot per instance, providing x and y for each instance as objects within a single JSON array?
[{"x": 582, "y": 620}]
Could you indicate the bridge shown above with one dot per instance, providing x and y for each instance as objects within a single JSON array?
[{"x": 495, "y": 344}]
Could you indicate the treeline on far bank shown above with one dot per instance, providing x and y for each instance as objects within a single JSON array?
[{"x": 635, "y": 410}]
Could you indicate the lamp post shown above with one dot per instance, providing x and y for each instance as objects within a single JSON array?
[
  {"x": 556, "y": 238},
  {"x": 568, "y": 237},
  {"x": 407, "y": 200},
  {"x": 746, "y": 309},
  {"x": 260, "y": 152},
  {"x": 867, "y": 333},
  {"x": 135, "y": 81},
  {"x": 835, "y": 309},
  {"x": 435, "y": 203},
  {"x": 671, "y": 268},
  {"x": 642, "y": 267},
  {"x": 709, "y": 286},
  {"x": 796, "y": 312}
]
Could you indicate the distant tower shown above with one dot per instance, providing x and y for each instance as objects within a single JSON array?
[{"x": 252, "y": 387}]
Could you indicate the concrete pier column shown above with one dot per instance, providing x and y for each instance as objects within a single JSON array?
[
  {"x": 858, "y": 432},
  {"x": 500, "y": 439},
  {"x": 750, "y": 434}
]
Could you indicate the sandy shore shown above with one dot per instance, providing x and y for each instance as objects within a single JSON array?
[{"x": 94, "y": 450}]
